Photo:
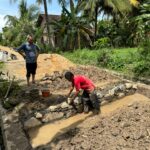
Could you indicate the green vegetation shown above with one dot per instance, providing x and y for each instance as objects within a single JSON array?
[
  {"x": 83, "y": 56},
  {"x": 122, "y": 59},
  {"x": 1, "y": 65},
  {"x": 123, "y": 23},
  {"x": 130, "y": 61},
  {"x": 142, "y": 68}
]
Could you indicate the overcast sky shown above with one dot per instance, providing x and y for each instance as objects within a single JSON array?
[{"x": 7, "y": 8}]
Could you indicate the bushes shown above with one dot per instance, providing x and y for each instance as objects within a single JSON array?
[
  {"x": 143, "y": 66},
  {"x": 1, "y": 65},
  {"x": 4, "y": 84},
  {"x": 104, "y": 57},
  {"x": 127, "y": 60},
  {"x": 102, "y": 43},
  {"x": 83, "y": 56},
  {"x": 118, "y": 59}
]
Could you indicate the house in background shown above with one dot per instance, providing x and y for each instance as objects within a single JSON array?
[{"x": 41, "y": 22}]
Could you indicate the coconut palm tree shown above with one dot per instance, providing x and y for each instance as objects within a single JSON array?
[
  {"x": 62, "y": 2},
  {"x": 50, "y": 41},
  {"x": 142, "y": 20},
  {"x": 18, "y": 28},
  {"x": 109, "y": 7},
  {"x": 46, "y": 16}
]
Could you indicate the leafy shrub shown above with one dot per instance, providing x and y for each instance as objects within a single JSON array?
[
  {"x": 14, "y": 90},
  {"x": 104, "y": 58},
  {"x": 1, "y": 65},
  {"x": 143, "y": 66},
  {"x": 102, "y": 43}
]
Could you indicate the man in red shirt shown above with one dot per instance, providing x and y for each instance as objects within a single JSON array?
[{"x": 85, "y": 85}]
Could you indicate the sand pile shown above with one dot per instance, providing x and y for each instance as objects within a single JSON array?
[{"x": 47, "y": 64}]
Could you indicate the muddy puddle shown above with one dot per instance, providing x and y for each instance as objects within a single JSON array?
[{"x": 46, "y": 133}]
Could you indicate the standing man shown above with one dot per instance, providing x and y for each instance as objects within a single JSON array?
[
  {"x": 85, "y": 86},
  {"x": 30, "y": 52}
]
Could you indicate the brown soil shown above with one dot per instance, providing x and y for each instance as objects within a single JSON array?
[
  {"x": 122, "y": 125},
  {"x": 47, "y": 64}
]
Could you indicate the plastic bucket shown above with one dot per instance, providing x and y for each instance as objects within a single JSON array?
[{"x": 45, "y": 93}]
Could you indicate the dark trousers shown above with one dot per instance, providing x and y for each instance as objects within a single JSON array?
[
  {"x": 31, "y": 69},
  {"x": 90, "y": 101}
]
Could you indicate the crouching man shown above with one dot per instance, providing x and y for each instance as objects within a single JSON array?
[{"x": 86, "y": 89}]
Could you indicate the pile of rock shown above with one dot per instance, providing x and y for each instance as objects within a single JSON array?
[
  {"x": 52, "y": 77},
  {"x": 119, "y": 91},
  {"x": 63, "y": 110}
]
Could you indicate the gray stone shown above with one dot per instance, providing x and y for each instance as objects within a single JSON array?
[
  {"x": 38, "y": 115},
  {"x": 135, "y": 86},
  {"x": 52, "y": 116},
  {"x": 116, "y": 89},
  {"x": 122, "y": 87},
  {"x": 77, "y": 101},
  {"x": 54, "y": 108},
  {"x": 65, "y": 105},
  {"x": 107, "y": 96},
  {"x": 100, "y": 95},
  {"x": 111, "y": 92},
  {"x": 32, "y": 122},
  {"x": 70, "y": 113},
  {"x": 120, "y": 95},
  {"x": 128, "y": 85}
]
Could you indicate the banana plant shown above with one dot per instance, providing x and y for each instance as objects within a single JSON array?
[{"x": 73, "y": 27}]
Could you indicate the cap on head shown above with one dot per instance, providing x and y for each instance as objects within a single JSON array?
[{"x": 69, "y": 75}]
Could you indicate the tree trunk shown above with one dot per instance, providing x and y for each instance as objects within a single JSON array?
[
  {"x": 96, "y": 15},
  {"x": 78, "y": 36},
  {"x": 47, "y": 23}
]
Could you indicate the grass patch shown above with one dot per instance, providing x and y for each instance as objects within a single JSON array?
[
  {"x": 1, "y": 65},
  {"x": 83, "y": 56},
  {"x": 121, "y": 59}
]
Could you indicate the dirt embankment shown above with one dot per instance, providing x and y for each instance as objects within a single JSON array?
[{"x": 47, "y": 64}]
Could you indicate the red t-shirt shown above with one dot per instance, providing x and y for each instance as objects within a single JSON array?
[{"x": 81, "y": 82}]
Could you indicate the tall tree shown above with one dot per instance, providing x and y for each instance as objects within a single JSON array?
[
  {"x": 18, "y": 28},
  {"x": 50, "y": 41},
  {"x": 44, "y": 2},
  {"x": 109, "y": 7}
]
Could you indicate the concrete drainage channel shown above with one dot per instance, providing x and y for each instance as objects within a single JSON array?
[{"x": 15, "y": 132}]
